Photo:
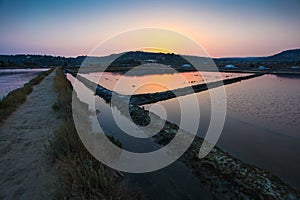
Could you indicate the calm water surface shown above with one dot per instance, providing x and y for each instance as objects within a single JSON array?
[
  {"x": 150, "y": 83},
  {"x": 262, "y": 125},
  {"x": 11, "y": 79}
]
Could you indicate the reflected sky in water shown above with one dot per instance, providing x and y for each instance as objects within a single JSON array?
[
  {"x": 11, "y": 79},
  {"x": 151, "y": 83}
]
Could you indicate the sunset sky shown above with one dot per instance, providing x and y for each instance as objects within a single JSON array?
[{"x": 71, "y": 28}]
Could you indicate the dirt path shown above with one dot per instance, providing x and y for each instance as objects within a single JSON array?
[{"x": 24, "y": 170}]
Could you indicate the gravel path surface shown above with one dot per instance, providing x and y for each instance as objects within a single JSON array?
[{"x": 24, "y": 169}]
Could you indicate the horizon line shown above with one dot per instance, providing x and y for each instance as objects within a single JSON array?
[{"x": 40, "y": 54}]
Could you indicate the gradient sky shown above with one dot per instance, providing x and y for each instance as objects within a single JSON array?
[{"x": 71, "y": 28}]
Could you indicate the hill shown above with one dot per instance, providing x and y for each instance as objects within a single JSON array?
[
  {"x": 292, "y": 55},
  {"x": 32, "y": 61},
  {"x": 279, "y": 61}
]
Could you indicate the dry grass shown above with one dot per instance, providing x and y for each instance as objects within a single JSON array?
[
  {"x": 18, "y": 96},
  {"x": 81, "y": 176}
]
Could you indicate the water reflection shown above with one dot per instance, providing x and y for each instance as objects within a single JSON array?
[
  {"x": 262, "y": 124},
  {"x": 151, "y": 83},
  {"x": 11, "y": 79}
]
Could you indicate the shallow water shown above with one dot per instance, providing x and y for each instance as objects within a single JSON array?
[
  {"x": 262, "y": 123},
  {"x": 137, "y": 83},
  {"x": 11, "y": 79}
]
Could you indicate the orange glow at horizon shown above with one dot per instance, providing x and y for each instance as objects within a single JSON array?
[
  {"x": 219, "y": 28},
  {"x": 155, "y": 50},
  {"x": 150, "y": 40}
]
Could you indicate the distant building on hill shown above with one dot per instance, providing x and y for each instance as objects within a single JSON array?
[
  {"x": 262, "y": 68},
  {"x": 186, "y": 65},
  {"x": 230, "y": 67},
  {"x": 150, "y": 61}
]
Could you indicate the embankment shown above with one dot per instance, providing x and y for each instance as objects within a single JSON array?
[{"x": 25, "y": 171}]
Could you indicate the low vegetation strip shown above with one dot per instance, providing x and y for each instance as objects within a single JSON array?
[
  {"x": 18, "y": 96},
  {"x": 81, "y": 176}
]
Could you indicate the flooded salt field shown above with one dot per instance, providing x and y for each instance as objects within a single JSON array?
[
  {"x": 150, "y": 83},
  {"x": 11, "y": 79},
  {"x": 262, "y": 123}
]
